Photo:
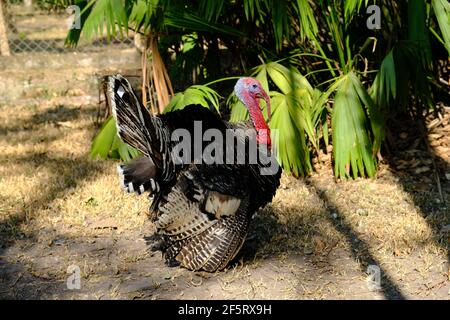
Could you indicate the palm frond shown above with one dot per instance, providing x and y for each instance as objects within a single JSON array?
[
  {"x": 252, "y": 9},
  {"x": 307, "y": 19},
  {"x": 196, "y": 94},
  {"x": 352, "y": 6},
  {"x": 238, "y": 110},
  {"x": 107, "y": 144},
  {"x": 352, "y": 146},
  {"x": 144, "y": 14},
  {"x": 211, "y": 10},
  {"x": 418, "y": 30},
  {"x": 292, "y": 150},
  {"x": 286, "y": 79},
  {"x": 109, "y": 15},
  {"x": 411, "y": 70},
  {"x": 384, "y": 88},
  {"x": 297, "y": 111},
  {"x": 280, "y": 21},
  {"x": 374, "y": 114},
  {"x": 193, "y": 22},
  {"x": 442, "y": 12}
]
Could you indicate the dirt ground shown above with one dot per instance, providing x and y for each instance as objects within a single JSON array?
[{"x": 318, "y": 239}]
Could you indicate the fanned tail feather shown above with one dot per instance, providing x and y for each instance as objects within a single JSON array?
[
  {"x": 213, "y": 249},
  {"x": 138, "y": 176},
  {"x": 180, "y": 219},
  {"x": 137, "y": 127}
]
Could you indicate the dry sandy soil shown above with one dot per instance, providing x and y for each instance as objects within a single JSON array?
[{"x": 316, "y": 240}]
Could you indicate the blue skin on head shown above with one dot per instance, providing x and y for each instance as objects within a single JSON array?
[
  {"x": 247, "y": 85},
  {"x": 249, "y": 91}
]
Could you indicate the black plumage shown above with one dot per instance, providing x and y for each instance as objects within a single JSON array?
[{"x": 201, "y": 211}]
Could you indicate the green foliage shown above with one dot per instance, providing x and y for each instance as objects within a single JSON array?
[
  {"x": 352, "y": 147},
  {"x": 305, "y": 13},
  {"x": 197, "y": 94},
  {"x": 297, "y": 113},
  {"x": 442, "y": 12},
  {"x": 317, "y": 52},
  {"x": 290, "y": 142},
  {"x": 107, "y": 14},
  {"x": 384, "y": 88},
  {"x": 107, "y": 144}
]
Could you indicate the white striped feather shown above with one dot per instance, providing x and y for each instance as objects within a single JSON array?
[
  {"x": 133, "y": 128},
  {"x": 180, "y": 218},
  {"x": 213, "y": 249}
]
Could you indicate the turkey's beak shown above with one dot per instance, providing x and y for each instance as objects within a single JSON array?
[{"x": 266, "y": 98}]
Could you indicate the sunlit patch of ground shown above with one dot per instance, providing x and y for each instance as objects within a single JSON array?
[{"x": 316, "y": 240}]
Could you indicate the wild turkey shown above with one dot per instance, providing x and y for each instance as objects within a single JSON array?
[{"x": 201, "y": 210}]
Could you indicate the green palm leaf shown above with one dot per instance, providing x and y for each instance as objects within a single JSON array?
[
  {"x": 352, "y": 6},
  {"x": 307, "y": 19},
  {"x": 211, "y": 10},
  {"x": 280, "y": 22},
  {"x": 108, "y": 145},
  {"x": 417, "y": 29},
  {"x": 287, "y": 79},
  {"x": 109, "y": 15},
  {"x": 442, "y": 12},
  {"x": 373, "y": 113},
  {"x": 352, "y": 146},
  {"x": 144, "y": 14},
  {"x": 238, "y": 110},
  {"x": 290, "y": 141},
  {"x": 190, "y": 21},
  {"x": 251, "y": 9},
  {"x": 384, "y": 88},
  {"x": 197, "y": 94},
  {"x": 295, "y": 114}
]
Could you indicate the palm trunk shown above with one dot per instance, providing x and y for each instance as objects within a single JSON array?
[{"x": 4, "y": 46}]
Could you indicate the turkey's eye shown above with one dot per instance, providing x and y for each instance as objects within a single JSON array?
[{"x": 254, "y": 86}]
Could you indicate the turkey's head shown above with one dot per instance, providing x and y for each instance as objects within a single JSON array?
[{"x": 249, "y": 91}]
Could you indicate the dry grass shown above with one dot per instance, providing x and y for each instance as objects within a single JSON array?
[
  {"x": 47, "y": 177},
  {"x": 315, "y": 240}
]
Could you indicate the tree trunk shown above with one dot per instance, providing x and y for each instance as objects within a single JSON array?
[{"x": 4, "y": 46}]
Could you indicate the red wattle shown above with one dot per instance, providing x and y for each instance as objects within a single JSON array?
[{"x": 257, "y": 117}]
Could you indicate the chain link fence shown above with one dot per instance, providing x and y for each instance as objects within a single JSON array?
[{"x": 33, "y": 28}]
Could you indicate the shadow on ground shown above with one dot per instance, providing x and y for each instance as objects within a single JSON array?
[
  {"x": 275, "y": 262},
  {"x": 430, "y": 189},
  {"x": 360, "y": 251},
  {"x": 66, "y": 173}
]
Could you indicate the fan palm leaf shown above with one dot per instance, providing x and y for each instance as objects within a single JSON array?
[
  {"x": 107, "y": 144},
  {"x": 442, "y": 12},
  {"x": 352, "y": 146}
]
